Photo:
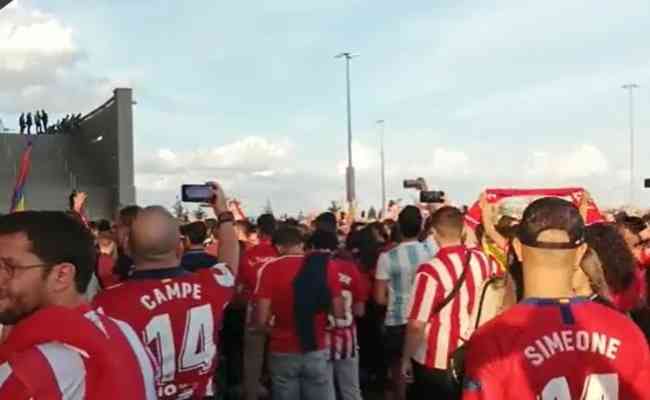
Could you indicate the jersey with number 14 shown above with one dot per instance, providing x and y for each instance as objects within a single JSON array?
[
  {"x": 571, "y": 349},
  {"x": 178, "y": 315}
]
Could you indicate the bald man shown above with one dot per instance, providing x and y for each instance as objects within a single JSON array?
[{"x": 177, "y": 313}]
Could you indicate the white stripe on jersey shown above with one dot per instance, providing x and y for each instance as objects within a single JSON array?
[
  {"x": 68, "y": 368},
  {"x": 5, "y": 372},
  {"x": 398, "y": 266},
  {"x": 435, "y": 351},
  {"x": 444, "y": 316},
  {"x": 143, "y": 360}
]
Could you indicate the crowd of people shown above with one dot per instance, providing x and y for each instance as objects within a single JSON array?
[
  {"x": 440, "y": 302},
  {"x": 40, "y": 121}
]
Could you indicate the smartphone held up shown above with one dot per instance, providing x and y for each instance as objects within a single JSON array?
[{"x": 197, "y": 193}]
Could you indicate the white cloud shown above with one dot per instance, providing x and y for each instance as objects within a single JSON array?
[
  {"x": 39, "y": 64},
  {"x": 585, "y": 161},
  {"x": 250, "y": 156}
]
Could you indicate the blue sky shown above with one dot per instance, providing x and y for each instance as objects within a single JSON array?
[{"x": 475, "y": 94}]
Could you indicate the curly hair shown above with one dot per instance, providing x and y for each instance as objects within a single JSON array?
[{"x": 617, "y": 260}]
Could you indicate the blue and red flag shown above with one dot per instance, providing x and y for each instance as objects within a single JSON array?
[{"x": 18, "y": 198}]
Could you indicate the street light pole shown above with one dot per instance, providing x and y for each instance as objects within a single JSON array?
[
  {"x": 383, "y": 165},
  {"x": 630, "y": 88},
  {"x": 349, "y": 175}
]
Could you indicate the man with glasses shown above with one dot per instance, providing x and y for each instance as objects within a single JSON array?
[
  {"x": 57, "y": 346},
  {"x": 553, "y": 345}
]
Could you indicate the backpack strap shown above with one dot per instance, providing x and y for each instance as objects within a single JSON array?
[{"x": 458, "y": 285}]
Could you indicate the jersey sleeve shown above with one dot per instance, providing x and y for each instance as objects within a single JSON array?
[
  {"x": 46, "y": 370},
  {"x": 382, "y": 268},
  {"x": 423, "y": 296},
  {"x": 483, "y": 376},
  {"x": 11, "y": 386},
  {"x": 224, "y": 280}
]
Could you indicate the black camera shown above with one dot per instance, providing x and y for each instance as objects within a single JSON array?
[
  {"x": 417, "y": 184},
  {"x": 432, "y": 196}
]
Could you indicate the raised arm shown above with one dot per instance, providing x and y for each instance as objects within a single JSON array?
[
  {"x": 487, "y": 213},
  {"x": 228, "y": 246}
]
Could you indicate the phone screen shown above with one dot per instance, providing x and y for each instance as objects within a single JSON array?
[{"x": 196, "y": 193}]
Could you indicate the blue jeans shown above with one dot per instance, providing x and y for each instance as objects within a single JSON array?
[
  {"x": 346, "y": 374},
  {"x": 305, "y": 376}
]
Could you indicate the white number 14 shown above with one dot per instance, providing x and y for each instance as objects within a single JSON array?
[
  {"x": 198, "y": 349},
  {"x": 596, "y": 387}
]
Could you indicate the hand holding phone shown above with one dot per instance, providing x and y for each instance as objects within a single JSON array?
[{"x": 218, "y": 199}]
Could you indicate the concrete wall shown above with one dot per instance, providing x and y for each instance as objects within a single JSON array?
[{"x": 60, "y": 163}]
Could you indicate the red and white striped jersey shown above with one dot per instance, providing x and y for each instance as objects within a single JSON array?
[
  {"x": 58, "y": 371},
  {"x": 342, "y": 340},
  {"x": 449, "y": 328}
]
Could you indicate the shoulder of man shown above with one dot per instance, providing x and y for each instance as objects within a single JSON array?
[
  {"x": 219, "y": 274},
  {"x": 47, "y": 369}
]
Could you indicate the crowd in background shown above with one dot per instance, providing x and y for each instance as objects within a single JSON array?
[{"x": 544, "y": 304}]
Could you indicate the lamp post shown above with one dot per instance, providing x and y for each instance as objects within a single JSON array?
[
  {"x": 381, "y": 125},
  {"x": 630, "y": 88},
  {"x": 349, "y": 173}
]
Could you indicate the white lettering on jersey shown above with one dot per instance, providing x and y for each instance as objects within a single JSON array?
[
  {"x": 567, "y": 341},
  {"x": 171, "y": 291}
]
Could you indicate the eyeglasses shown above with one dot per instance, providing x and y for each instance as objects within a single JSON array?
[{"x": 10, "y": 270}]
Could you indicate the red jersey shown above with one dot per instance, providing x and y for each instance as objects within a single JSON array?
[
  {"x": 451, "y": 326},
  {"x": 251, "y": 261},
  {"x": 276, "y": 284},
  {"x": 342, "y": 340},
  {"x": 558, "y": 350},
  {"x": 105, "y": 271},
  {"x": 80, "y": 355},
  {"x": 178, "y": 315}
]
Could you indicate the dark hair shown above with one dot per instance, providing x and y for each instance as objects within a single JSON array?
[
  {"x": 479, "y": 231},
  {"x": 323, "y": 240},
  {"x": 103, "y": 225},
  {"x": 326, "y": 222},
  {"x": 71, "y": 200},
  {"x": 617, "y": 260},
  {"x": 448, "y": 220},
  {"x": 196, "y": 232},
  {"x": 266, "y": 224},
  {"x": 633, "y": 224},
  {"x": 368, "y": 248},
  {"x": 410, "y": 222},
  {"x": 395, "y": 232},
  {"x": 56, "y": 238},
  {"x": 287, "y": 235},
  {"x": 507, "y": 226},
  {"x": 516, "y": 271},
  {"x": 128, "y": 214}
]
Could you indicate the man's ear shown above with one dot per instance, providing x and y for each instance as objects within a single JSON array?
[
  {"x": 62, "y": 276},
  {"x": 517, "y": 247}
]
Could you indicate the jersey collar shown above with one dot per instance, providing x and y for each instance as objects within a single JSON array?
[
  {"x": 164, "y": 273},
  {"x": 537, "y": 301}
]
